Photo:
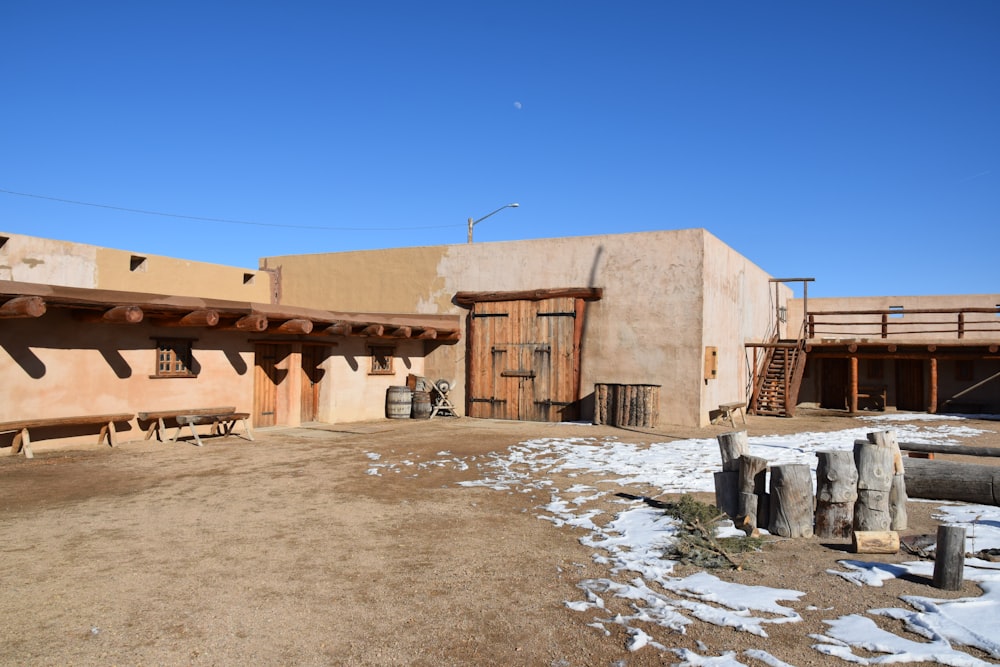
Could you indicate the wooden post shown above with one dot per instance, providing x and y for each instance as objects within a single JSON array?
[
  {"x": 836, "y": 493},
  {"x": 791, "y": 500},
  {"x": 733, "y": 445},
  {"x": 852, "y": 385},
  {"x": 949, "y": 558},
  {"x": 933, "y": 400},
  {"x": 897, "y": 489},
  {"x": 875, "y": 473}
]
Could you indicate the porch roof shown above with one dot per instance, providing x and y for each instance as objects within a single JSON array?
[{"x": 32, "y": 300}]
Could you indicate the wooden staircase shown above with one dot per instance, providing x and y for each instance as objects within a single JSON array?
[{"x": 776, "y": 390}]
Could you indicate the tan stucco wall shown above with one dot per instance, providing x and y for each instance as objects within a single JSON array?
[
  {"x": 104, "y": 369},
  {"x": 740, "y": 307},
  {"x": 44, "y": 261},
  {"x": 647, "y": 328}
]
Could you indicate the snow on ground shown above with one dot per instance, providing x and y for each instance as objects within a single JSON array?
[{"x": 631, "y": 543}]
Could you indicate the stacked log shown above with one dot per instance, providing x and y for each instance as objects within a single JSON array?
[
  {"x": 897, "y": 491},
  {"x": 875, "y": 473},
  {"x": 836, "y": 493},
  {"x": 627, "y": 404}
]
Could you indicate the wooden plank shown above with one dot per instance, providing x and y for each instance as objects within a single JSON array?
[
  {"x": 82, "y": 420},
  {"x": 468, "y": 299}
]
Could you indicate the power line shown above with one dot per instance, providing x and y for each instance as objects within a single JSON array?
[{"x": 223, "y": 220}]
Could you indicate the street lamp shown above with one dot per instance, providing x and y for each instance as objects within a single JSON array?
[{"x": 473, "y": 223}]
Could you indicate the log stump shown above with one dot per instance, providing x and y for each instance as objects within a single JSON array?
[
  {"x": 875, "y": 473},
  {"x": 732, "y": 445},
  {"x": 752, "y": 490},
  {"x": 791, "y": 501},
  {"x": 836, "y": 493},
  {"x": 949, "y": 558},
  {"x": 727, "y": 495},
  {"x": 897, "y": 491}
]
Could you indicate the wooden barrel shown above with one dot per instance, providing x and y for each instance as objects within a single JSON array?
[
  {"x": 421, "y": 405},
  {"x": 398, "y": 402}
]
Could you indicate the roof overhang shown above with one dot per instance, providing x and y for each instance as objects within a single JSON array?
[{"x": 31, "y": 300}]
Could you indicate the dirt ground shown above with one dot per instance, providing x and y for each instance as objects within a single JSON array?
[{"x": 283, "y": 551}]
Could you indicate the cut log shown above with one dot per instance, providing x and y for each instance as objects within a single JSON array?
[
  {"x": 791, "y": 501},
  {"x": 373, "y": 330},
  {"x": 753, "y": 474},
  {"x": 23, "y": 306},
  {"x": 875, "y": 542},
  {"x": 898, "y": 518},
  {"x": 949, "y": 558},
  {"x": 948, "y": 480},
  {"x": 888, "y": 439},
  {"x": 746, "y": 515},
  {"x": 836, "y": 493},
  {"x": 958, "y": 450},
  {"x": 727, "y": 495},
  {"x": 733, "y": 445},
  {"x": 875, "y": 472}
]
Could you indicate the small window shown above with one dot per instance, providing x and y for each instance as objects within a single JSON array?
[
  {"x": 874, "y": 370},
  {"x": 381, "y": 360},
  {"x": 137, "y": 263},
  {"x": 3, "y": 242},
  {"x": 173, "y": 358},
  {"x": 895, "y": 311},
  {"x": 248, "y": 278},
  {"x": 964, "y": 370}
]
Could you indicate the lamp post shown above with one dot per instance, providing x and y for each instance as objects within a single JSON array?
[{"x": 473, "y": 223}]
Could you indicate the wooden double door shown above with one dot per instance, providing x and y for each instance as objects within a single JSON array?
[
  {"x": 276, "y": 366},
  {"x": 524, "y": 359}
]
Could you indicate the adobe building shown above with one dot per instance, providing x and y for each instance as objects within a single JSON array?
[
  {"x": 662, "y": 316},
  {"x": 87, "y": 331},
  {"x": 914, "y": 353}
]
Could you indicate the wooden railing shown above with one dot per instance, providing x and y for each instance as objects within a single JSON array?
[{"x": 960, "y": 323}]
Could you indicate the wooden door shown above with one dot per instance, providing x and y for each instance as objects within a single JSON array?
[
  {"x": 523, "y": 360},
  {"x": 312, "y": 376},
  {"x": 833, "y": 390},
  {"x": 267, "y": 378},
  {"x": 910, "y": 385}
]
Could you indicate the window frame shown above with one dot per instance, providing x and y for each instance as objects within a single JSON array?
[
  {"x": 385, "y": 351},
  {"x": 181, "y": 351}
]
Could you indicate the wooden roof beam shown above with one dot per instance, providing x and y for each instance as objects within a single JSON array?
[
  {"x": 196, "y": 318},
  {"x": 23, "y": 306},
  {"x": 115, "y": 315},
  {"x": 294, "y": 326}
]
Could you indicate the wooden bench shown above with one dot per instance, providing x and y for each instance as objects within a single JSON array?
[
  {"x": 876, "y": 393},
  {"x": 728, "y": 410},
  {"x": 22, "y": 439},
  {"x": 222, "y": 424},
  {"x": 156, "y": 418}
]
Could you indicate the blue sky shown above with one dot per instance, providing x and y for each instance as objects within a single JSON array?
[{"x": 853, "y": 142}]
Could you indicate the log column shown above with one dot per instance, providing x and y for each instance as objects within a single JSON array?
[
  {"x": 727, "y": 483},
  {"x": 875, "y": 473},
  {"x": 836, "y": 493},
  {"x": 898, "y": 519},
  {"x": 791, "y": 501}
]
